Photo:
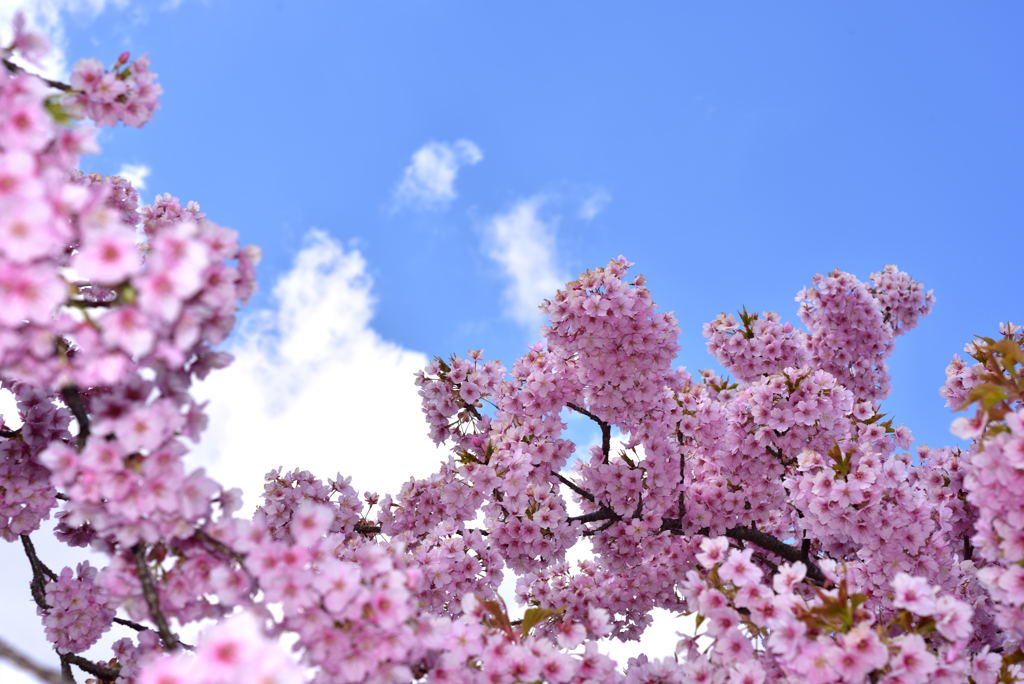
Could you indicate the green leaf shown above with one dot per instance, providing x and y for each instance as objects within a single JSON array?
[
  {"x": 989, "y": 394},
  {"x": 56, "y": 110},
  {"x": 534, "y": 616}
]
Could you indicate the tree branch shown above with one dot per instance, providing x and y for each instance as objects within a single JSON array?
[
  {"x": 66, "y": 673},
  {"x": 780, "y": 549},
  {"x": 131, "y": 623},
  {"x": 104, "y": 672},
  {"x": 573, "y": 486},
  {"x": 59, "y": 85},
  {"x": 739, "y": 533},
  {"x": 603, "y": 513},
  {"x": 73, "y": 398},
  {"x": 19, "y": 659},
  {"x": 40, "y": 573},
  {"x": 156, "y": 614},
  {"x": 606, "y": 429}
]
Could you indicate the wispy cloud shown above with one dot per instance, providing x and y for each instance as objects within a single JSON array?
[
  {"x": 314, "y": 386},
  {"x": 523, "y": 244},
  {"x": 135, "y": 174},
  {"x": 594, "y": 204},
  {"x": 428, "y": 182},
  {"x": 45, "y": 16}
]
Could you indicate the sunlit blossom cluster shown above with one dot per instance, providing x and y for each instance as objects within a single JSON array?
[{"x": 779, "y": 508}]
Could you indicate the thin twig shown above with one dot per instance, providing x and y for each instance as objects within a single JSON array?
[
  {"x": 682, "y": 477},
  {"x": 66, "y": 673},
  {"x": 780, "y": 549},
  {"x": 19, "y": 659},
  {"x": 73, "y": 398},
  {"x": 40, "y": 573},
  {"x": 104, "y": 672},
  {"x": 606, "y": 429},
  {"x": 573, "y": 486},
  {"x": 59, "y": 85},
  {"x": 156, "y": 614},
  {"x": 603, "y": 513},
  {"x": 131, "y": 623}
]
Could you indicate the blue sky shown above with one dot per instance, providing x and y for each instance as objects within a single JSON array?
[
  {"x": 739, "y": 149},
  {"x": 732, "y": 150}
]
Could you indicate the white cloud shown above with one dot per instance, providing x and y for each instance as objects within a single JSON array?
[
  {"x": 44, "y": 16},
  {"x": 314, "y": 386},
  {"x": 135, "y": 174},
  {"x": 594, "y": 204},
  {"x": 523, "y": 244},
  {"x": 428, "y": 182}
]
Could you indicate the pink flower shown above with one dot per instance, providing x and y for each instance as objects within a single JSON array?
[
  {"x": 1011, "y": 581},
  {"x": 953, "y": 618},
  {"x": 29, "y": 292},
  {"x": 739, "y": 570},
  {"x": 712, "y": 551},
  {"x": 29, "y": 230},
  {"x": 913, "y": 593},
  {"x": 865, "y": 652},
  {"x": 310, "y": 522},
  {"x": 107, "y": 256},
  {"x": 913, "y": 658},
  {"x": 128, "y": 329},
  {"x": 31, "y": 45}
]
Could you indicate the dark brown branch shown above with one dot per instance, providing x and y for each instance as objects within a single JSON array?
[
  {"x": 131, "y": 623},
  {"x": 604, "y": 526},
  {"x": 156, "y": 614},
  {"x": 59, "y": 85},
  {"x": 206, "y": 537},
  {"x": 682, "y": 479},
  {"x": 10, "y": 434},
  {"x": 739, "y": 533},
  {"x": 19, "y": 659},
  {"x": 73, "y": 398},
  {"x": 780, "y": 549},
  {"x": 40, "y": 573},
  {"x": 603, "y": 513},
  {"x": 90, "y": 303},
  {"x": 573, "y": 486},
  {"x": 65, "y": 668},
  {"x": 606, "y": 428},
  {"x": 104, "y": 672}
]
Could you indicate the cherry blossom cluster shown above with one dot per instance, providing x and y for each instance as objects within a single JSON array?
[
  {"x": 994, "y": 479},
  {"x": 622, "y": 347},
  {"x": 902, "y": 299},
  {"x": 852, "y": 327},
  {"x": 126, "y": 92},
  {"x": 26, "y": 494},
  {"x": 235, "y": 650},
  {"x": 298, "y": 507},
  {"x": 826, "y": 636},
  {"x": 133, "y": 487},
  {"x": 79, "y": 609},
  {"x": 961, "y": 378},
  {"x": 779, "y": 508},
  {"x": 758, "y": 345}
]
